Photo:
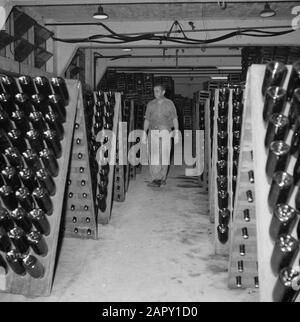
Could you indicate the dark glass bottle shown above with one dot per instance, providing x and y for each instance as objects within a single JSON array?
[
  {"x": 45, "y": 180},
  {"x": 8, "y": 197},
  {"x": 37, "y": 121},
  {"x": 20, "y": 217},
  {"x": 5, "y": 244},
  {"x": 5, "y": 220},
  {"x": 60, "y": 88},
  {"x": 295, "y": 142},
  {"x": 283, "y": 220},
  {"x": 40, "y": 103},
  {"x": 4, "y": 141},
  {"x": 49, "y": 162},
  {"x": 274, "y": 102},
  {"x": 223, "y": 233},
  {"x": 31, "y": 159},
  {"x": 274, "y": 75},
  {"x": 224, "y": 217},
  {"x": 24, "y": 198},
  {"x": 285, "y": 250},
  {"x": 294, "y": 81},
  {"x": 58, "y": 105},
  {"x": 5, "y": 122},
  {"x": 21, "y": 121},
  {"x": 52, "y": 119},
  {"x": 28, "y": 179},
  {"x": 101, "y": 200},
  {"x": 14, "y": 157},
  {"x": 286, "y": 288},
  {"x": 222, "y": 123},
  {"x": 222, "y": 153},
  {"x": 7, "y": 103},
  {"x": 53, "y": 143},
  {"x": 278, "y": 129},
  {"x": 24, "y": 104},
  {"x": 237, "y": 123},
  {"x": 294, "y": 112},
  {"x": 27, "y": 85},
  {"x": 37, "y": 243},
  {"x": 17, "y": 139},
  {"x": 10, "y": 176},
  {"x": 236, "y": 137},
  {"x": 224, "y": 94},
  {"x": 223, "y": 199},
  {"x": 14, "y": 259},
  {"x": 278, "y": 158},
  {"x": 18, "y": 237},
  {"x": 43, "y": 200},
  {"x": 281, "y": 189},
  {"x": 35, "y": 140},
  {"x": 237, "y": 94},
  {"x": 222, "y": 183},
  {"x": 43, "y": 85},
  {"x": 222, "y": 168},
  {"x": 33, "y": 266},
  {"x": 237, "y": 108},
  {"x": 222, "y": 138},
  {"x": 9, "y": 84}
]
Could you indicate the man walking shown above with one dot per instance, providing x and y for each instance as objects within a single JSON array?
[{"x": 160, "y": 115}]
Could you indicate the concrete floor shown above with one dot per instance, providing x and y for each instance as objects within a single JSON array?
[{"x": 157, "y": 247}]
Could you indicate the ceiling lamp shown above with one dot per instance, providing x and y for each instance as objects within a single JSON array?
[
  {"x": 100, "y": 14},
  {"x": 267, "y": 12}
]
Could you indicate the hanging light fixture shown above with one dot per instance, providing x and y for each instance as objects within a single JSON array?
[
  {"x": 267, "y": 12},
  {"x": 100, "y": 14}
]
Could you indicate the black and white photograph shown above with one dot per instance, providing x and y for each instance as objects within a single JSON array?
[{"x": 149, "y": 154}]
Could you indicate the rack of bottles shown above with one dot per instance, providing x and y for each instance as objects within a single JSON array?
[
  {"x": 275, "y": 96},
  {"x": 79, "y": 207},
  {"x": 37, "y": 118},
  {"x": 221, "y": 185},
  {"x": 108, "y": 105},
  {"x": 243, "y": 240}
]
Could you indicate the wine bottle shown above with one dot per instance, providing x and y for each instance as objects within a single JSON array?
[
  {"x": 274, "y": 102},
  {"x": 281, "y": 189},
  {"x": 49, "y": 162},
  {"x": 18, "y": 237},
  {"x": 37, "y": 243},
  {"x": 275, "y": 75},
  {"x": 33, "y": 266},
  {"x": 44, "y": 179},
  {"x": 40, "y": 221},
  {"x": 53, "y": 143},
  {"x": 285, "y": 290},
  {"x": 278, "y": 158},
  {"x": 278, "y": 129},
  {"x": 283, "y": 220},
  {"x": 8, "y": 197},
  {"x": 43, "y": 86},
  {"x": 285, "y": 251},
  {"x": 14, "y": 259},
  {"x": 20, "y": 217},
  {"x": 24, "y": 198},
  {"x": 43, "y": 200},
  {"x": 27, "y": 85}
]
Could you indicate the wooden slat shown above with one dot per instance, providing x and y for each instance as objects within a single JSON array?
[{"x": 27, "y": 285}]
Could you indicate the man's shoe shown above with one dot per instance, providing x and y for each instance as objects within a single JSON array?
[{"x": 154, "y": 183}]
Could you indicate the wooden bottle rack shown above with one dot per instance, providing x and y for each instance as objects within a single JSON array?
[
  {"x": 220, "y": 249},
  {"x": 104, "y": 216},
  {"x": 27, "y": 285},
  {"x": 265, "y": 244},
  {"x": 80, "y": 218},
  {"x": 243, "y": 265}
]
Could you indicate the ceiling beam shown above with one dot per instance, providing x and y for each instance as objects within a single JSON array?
[{"x": 117, "y": 2}]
